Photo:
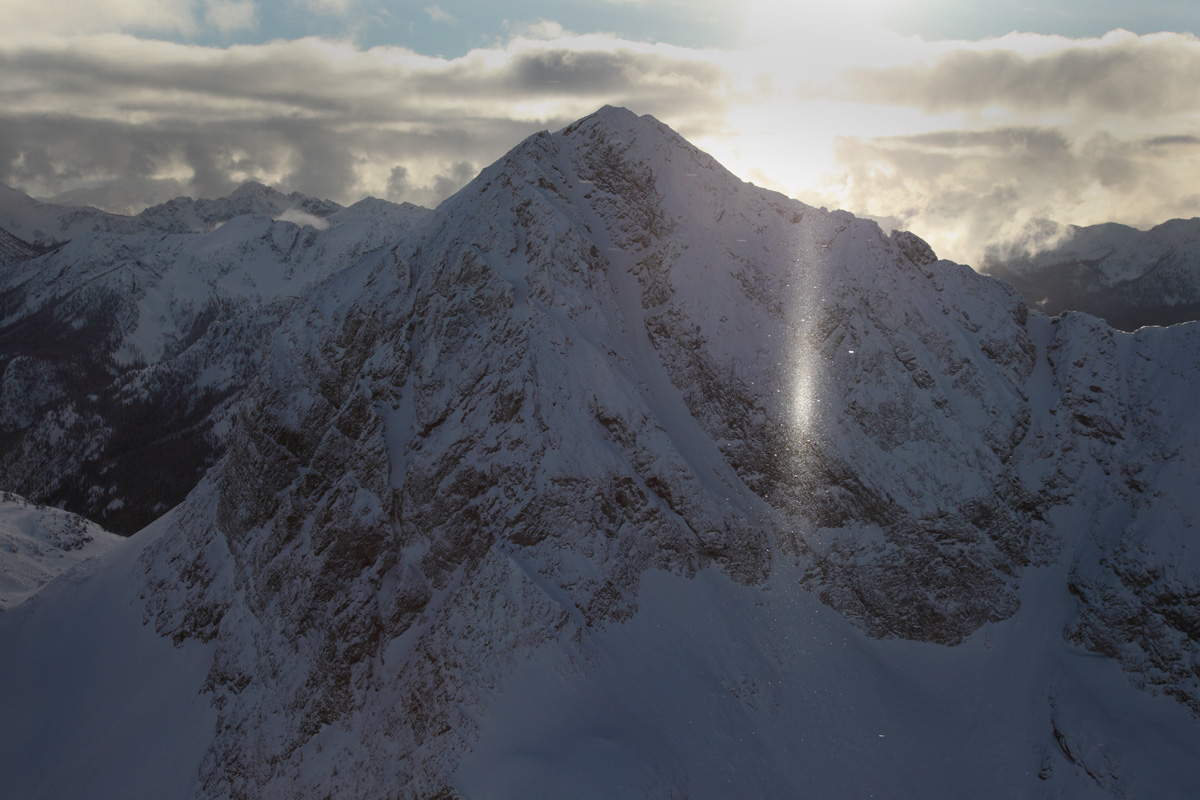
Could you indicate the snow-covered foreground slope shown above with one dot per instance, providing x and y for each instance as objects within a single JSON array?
[
  {"x": 96, "y": 705},
  {"x": 1128, "y": 277},
  {"x": 38, "y": 543},
  {"x": 622, "y": 477},
  {"x": 715, "y": 690}
]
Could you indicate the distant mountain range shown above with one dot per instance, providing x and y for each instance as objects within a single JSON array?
[
  {"x": 612, "y": 476},
  {"x": 131, "y": 337},
  {"x": 1127, "y": 277}
]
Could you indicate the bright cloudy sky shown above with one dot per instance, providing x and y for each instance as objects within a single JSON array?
[{"x": 957, "y": 119}]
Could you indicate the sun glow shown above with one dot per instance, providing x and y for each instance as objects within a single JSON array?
[{"x": 809, "y": 22}]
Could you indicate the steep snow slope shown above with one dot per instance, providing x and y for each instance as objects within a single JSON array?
[
  {"x": 623, "y": 477},
  {"x": 95, "y": 704},
  {"x": 1128, "y": 277},
  {"x": 40, "y": 543}
]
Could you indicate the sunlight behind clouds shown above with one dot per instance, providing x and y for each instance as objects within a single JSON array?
[
  {"x": 958, "y": 141},
  {"x": 816, "y": 33}
]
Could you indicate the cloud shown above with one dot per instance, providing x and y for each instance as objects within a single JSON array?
[
  {"x": 67, "y": 17},
  {"x": 966, "y": 191},
  {"x": 1027, "y": 127},
  {"x": 228, "y": 16},
  {"x": 537, "y": 29},
  {"x": 332, "y": 8},
  {"x": 438, "y": 15},
  {"x": 315, "y": 116},
  {"x": 1119, "y": 74},
  {"x": 961, "y": 142},
  {"x": 304, "y": 218},
  {"x": 1173, "y": 141}
]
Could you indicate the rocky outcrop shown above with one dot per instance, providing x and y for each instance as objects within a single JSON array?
[{"x": 1133, "y": 415}]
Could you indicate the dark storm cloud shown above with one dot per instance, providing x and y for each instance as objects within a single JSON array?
[
  {"x": 563, "y": 70},
  {"x": 319, "y": 117},
  {"x": 1172, "y": 141}
]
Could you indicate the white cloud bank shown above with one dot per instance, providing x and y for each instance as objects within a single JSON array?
[
  {"x": 961, "y": 142},
  {"x": 66, "y": 17}
]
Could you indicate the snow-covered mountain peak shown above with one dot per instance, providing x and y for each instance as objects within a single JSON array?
[
  {"x": 253, "y": 197},
  {"x": 620, "y": 126},
  {"x": 616, "y": 466},
  {"x": 185, "y": 215},
  {"x": 253, "y": 190},
  {"x": 45, "y": 225},
  {"x": 617, "y": 133}
]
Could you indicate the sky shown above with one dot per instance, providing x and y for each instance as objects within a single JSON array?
[{"x": 960, "y": 121}]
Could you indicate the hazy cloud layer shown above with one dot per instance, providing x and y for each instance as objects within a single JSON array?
[
  {"x": 1121, "y": 74},
  {"x": 186, "y": 17},
  {"x": 1089, "y": 132},
  {"x": 964, "y": 190},
  {"x": 960, "y": 142},
  {"x": 314, "y": 116}
]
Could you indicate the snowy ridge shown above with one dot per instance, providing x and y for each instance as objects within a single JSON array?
[
  {"x": 164, "y": 279},
  {"x": 38, "y": 544},
  {"x": 13, "y": 250},
  {"x": 1128, "y": 277},
  {"x": 620, "y": 477},
  {"x": 47, "y": 224}
]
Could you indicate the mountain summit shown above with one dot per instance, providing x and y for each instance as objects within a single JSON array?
[{"x": 617, "y": 476}]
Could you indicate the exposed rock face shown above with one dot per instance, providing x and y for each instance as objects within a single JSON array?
[
  {"x": 606, "y": 356},
  {"x": 1134, "y": 415}
]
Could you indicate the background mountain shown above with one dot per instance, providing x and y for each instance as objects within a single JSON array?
[
  {"x": 123, "y": 348},
  {"x": 38, "y": 544},
  {"x": 616, "y": 476},
  {"x": 1127, "y": 277}
]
